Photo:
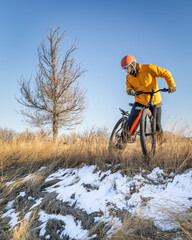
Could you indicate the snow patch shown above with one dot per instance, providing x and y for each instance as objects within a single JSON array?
[
  {"x": 72, "y": 228},
  {"x": 156, "y": 196},
  {"x": 152, "y": 196},
  {"x": 21, "y": 194}
]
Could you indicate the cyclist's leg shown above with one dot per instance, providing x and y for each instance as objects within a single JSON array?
[
  {"x": 158, "y": 124},
  {"x": 137, "y": 107}
]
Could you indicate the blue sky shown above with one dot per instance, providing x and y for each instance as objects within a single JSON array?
[{"x": 157, "y": 32}]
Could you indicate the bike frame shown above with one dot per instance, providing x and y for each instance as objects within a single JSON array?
[
  {"x": 136, "y": 123},
  {"x": 151, "y": 106}
]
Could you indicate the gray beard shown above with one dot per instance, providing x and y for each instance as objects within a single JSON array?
[{"x": 133, "y": 71}]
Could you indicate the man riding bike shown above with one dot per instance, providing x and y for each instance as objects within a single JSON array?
[{"x": 143, "y": 77}]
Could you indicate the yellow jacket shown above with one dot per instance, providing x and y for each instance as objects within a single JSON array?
[{"x": 146, "y": 80}]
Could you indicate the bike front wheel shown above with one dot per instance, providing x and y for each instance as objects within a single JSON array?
[{"x": 147, "y": 133}]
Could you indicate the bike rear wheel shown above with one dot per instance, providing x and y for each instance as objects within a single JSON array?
[
  {"x": 116, "y": 134},
  {"x": 147, "y": 133}
]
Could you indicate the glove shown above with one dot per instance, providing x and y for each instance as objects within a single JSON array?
[
  {"x": 171, "y": 89},
  {"x": 131, "y": 92}
]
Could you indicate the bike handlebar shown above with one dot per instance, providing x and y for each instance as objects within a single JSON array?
[{"x": 153, "y": 92}]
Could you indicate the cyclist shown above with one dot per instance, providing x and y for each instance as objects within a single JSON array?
[{"x": 143, "y": 77}]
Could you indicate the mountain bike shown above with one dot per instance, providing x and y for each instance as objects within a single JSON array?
[{"x": 144, "y": 127}]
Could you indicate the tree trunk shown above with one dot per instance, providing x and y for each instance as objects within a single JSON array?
[{"x": 55, "y": 129}]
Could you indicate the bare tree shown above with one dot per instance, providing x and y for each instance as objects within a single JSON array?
[{"x": 56, "y": 98}]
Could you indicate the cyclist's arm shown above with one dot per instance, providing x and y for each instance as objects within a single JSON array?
[
  {"x": 129, "y": 86},
  {"x": 162, "y": 73}
]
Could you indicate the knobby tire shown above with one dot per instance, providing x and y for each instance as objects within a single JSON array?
[
  {"x": 112, "y": 140},
  {"x": 147, "y": 133}
]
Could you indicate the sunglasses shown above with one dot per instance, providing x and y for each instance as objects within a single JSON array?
[{"x": 127, "y": 67}]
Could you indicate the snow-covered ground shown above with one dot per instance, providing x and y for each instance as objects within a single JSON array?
[{"x": 155, "y": 196}]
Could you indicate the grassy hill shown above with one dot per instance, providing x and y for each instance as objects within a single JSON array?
[{"x": 33, "y": 169}]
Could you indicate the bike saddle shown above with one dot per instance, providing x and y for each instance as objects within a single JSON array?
[{"x": 123, "y": 111}]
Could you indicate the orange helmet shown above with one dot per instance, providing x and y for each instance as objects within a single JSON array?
[{"x": 127, "y": 60}]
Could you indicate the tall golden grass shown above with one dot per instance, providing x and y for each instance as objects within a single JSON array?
[{"x": 29, "y": 151}]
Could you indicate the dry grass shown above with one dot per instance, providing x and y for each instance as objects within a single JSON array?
[
  {"x": 175, "y": 154},
  {"x": 71, "y": 151},
  {"x": 24, "y": 230},
  {"x": 184, "y": 221},
  {"x": 140, "y": 228},
  {"x": 186, "y": 228},
  {"x": 23, "y": 154}
]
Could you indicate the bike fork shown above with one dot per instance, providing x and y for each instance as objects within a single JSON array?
[{"x": 154, "y": 112}]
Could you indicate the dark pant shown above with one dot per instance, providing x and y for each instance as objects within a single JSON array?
[{"x": 137, "y": 107}]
